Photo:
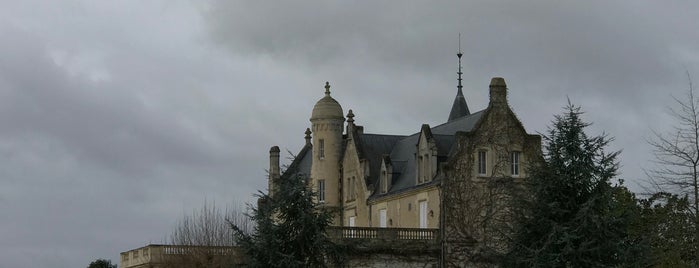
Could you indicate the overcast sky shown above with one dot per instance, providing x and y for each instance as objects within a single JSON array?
[{"x": 117, "y": 117}]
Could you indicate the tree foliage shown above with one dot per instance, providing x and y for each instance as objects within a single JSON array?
[
  {"x": 289, "y": 229},
  {"x": 664, "y": 226},
  {"x": 677, "y": 158},
  {"x": 572, "y": 215},
  {"x": 102, "y": 263}
]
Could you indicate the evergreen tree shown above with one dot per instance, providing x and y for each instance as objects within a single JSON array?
[
  {"x": 290, "y": 229},
  {"x": 571, "y": 214}
]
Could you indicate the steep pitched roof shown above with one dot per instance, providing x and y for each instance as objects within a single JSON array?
[
  {"x": 403, "y": 153},
  {"x": 373, "y": 147},
  {"x": 301, "y": 165},
  {"x": 401, "y": 150},
  {"x": 459, "y": 108}
]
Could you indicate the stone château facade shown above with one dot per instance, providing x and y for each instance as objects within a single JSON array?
[{"x": 456, "y": 176}]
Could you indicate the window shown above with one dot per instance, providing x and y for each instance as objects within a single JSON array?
[
  {"x": 382, "y": 218},
  {"x": 351, "y": 189},
  {"x": 423, "y": 214},
  {"x": 482, "y": 162},
  {"x": 352, "y": 221},
  {"x": 420, "y": 169},
  {"x": 321, "y": 148},
  {"x": 135, "y": 254},
  {"x": 384, "y": 182},
  {"x": 321, "y": 191},
  {"x": 514, "y": 168},
  {"x": 426, "y": 168},
  {"x": 354, "y": 187}
]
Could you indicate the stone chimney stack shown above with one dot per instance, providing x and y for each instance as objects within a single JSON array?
[
  {"x": 498, "y": 91},
  {"x": 274, "y": 172}
]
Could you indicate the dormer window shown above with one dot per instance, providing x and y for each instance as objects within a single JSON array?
[
  {"x": 384, "y": 182},
  {"x": 385, "y": 175},
  {"x": 351, "y": 189},
  {"x": 321, "y": 148},
  {"x": 425, "y": 156},
  {"x": 427, "y": 169},
  {"x": 420, "y": 169}
]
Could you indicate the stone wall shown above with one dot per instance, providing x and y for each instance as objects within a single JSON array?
[{"x": 381, "y": 260}]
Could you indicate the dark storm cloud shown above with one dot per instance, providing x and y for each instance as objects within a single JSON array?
[
  {"x": 115, "y": 117},
  {"x": 110, "y": 131},
  {"x": 611, "y": 57},
  {"x": 95, "y": 121}
]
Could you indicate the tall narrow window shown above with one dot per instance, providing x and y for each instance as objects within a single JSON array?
[
  {"x": 321, "y": 191},
  {"x": 427, "y": 173},
  {"x": 351, "y": 188},
  {"x": 423, "y": 214},
  {"x": 420, "y": 169},
  {"x": 321, "y": 148},
  {"x": 354, "y": 187},
  {"x": 382, "y": 218},
  {"x": 514, "y": 168},
  {"x": 384, "y": 182},
  {"x": 482, "y": 162}
]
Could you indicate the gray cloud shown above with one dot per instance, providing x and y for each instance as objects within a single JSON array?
[{"x": 118, "y": 117}]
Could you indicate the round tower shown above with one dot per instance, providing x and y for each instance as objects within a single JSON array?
[{"x": 327, "y": 122}]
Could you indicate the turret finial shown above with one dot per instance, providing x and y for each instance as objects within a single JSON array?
[
  {"x": 308, "y": 136},
  {"x": 350, "y": 117},
  {"x": 327, "y": 88}
]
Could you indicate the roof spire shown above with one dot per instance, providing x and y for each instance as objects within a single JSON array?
[
  {"x": 459, "y": 54},
  {"x": 459, "y": 108},
  {"x": 327, "y": 88}
]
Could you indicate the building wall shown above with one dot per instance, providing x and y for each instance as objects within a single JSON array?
[
  {"x": 379, "y": 260},
  {"x": 402, "y": 210},
  {"x": 326, "y": 165},
  {"x": 353, "y": 178},
  {"x": 478, "y": 216}
]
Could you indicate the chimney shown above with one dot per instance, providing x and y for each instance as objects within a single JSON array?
[
  {"x": 498, "y": 91},
  {"x": 273, "y": 167}
]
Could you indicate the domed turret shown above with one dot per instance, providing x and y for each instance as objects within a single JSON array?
[
  {"x": 327, "y": 107},
  {"x": 327, "y": 124}
]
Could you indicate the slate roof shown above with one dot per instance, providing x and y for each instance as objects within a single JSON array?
[
  {"x": 401, "y": 150},
  {"x": 301, "y": 165},
  {"x": 403, "y": 153},
  {"x": 459, "y": 108}
]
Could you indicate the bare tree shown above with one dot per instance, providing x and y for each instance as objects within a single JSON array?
[
  {"x": 677, "y": 156},
  {"x": 204, "y": 237}
]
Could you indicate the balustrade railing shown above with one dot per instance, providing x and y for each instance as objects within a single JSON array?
[
  {"x": 183, "y": 250},
  {"x": 383, "y": 233}
]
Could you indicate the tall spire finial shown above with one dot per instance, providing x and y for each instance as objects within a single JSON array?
[
  {"x": 459, "y": 54},
  {"x": 460, "y": 108},
  {"x": 327, "y": 88}
]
